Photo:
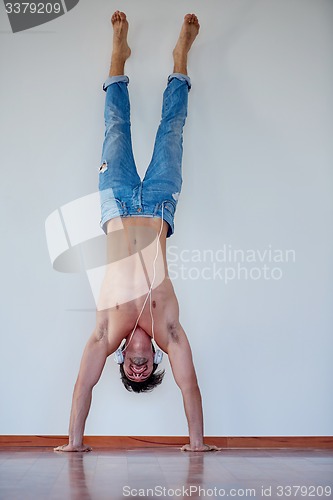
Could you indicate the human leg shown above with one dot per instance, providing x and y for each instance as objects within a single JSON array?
[
  {"x": 188, "y": 33},
  {"x": 164, "y": 170},
  {"x": 165, "y": 166},
  {"x": 121, "y": 50},
  {"x": 117, "y": 160},
  {"x": 118, "y": 174}
]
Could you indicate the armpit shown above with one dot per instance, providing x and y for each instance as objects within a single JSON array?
[{"x": 173, "y": 331}]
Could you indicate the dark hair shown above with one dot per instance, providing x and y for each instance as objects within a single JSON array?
[{"x": 147, "y": 385}]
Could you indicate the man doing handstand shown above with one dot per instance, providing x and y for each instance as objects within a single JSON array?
[{"x": 137, "y": 217}]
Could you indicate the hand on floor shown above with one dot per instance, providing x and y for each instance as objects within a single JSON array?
[
  {"x": 69, "y": 447},
  {"x": 204, "y": 447}
]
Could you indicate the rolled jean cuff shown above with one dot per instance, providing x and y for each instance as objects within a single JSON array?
[
  {"x": 181, "y": 77},
  {"x": 115, "y": 79}
]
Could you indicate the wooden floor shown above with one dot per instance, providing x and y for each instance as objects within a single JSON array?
[{"x": 41, "y": 473}]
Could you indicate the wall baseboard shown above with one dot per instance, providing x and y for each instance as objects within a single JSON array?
[{"x": 161, "y": 441}]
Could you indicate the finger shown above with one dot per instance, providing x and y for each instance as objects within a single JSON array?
[
  {"x": 212, "y": 448},
  {"x": 59, "y": 448}
]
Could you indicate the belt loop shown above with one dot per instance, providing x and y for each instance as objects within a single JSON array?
[{"x": 157, "y": 206}]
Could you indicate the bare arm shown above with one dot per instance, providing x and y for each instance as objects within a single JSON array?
[
  {"x": 92, "y": 364},
  {"x": 180, "y": 356},
  {"x": 181, "y": 361}
]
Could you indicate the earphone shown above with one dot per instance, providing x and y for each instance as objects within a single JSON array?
[{"x": 118, "y": 355}]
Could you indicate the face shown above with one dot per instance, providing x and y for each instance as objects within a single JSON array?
[{"x": 138, "y": 356}]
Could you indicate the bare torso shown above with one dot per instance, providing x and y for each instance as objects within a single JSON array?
[{"x": 132, "y": 246}]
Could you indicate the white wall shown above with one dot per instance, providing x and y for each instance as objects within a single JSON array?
[{"x": 257, "y": 175}]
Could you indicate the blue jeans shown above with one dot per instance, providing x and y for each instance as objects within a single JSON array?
[{"x": 122, "y": 193}]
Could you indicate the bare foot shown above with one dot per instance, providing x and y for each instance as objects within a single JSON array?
[
  {"x": 121, "y": 49},
  {"x": 188, "y": 33}
]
